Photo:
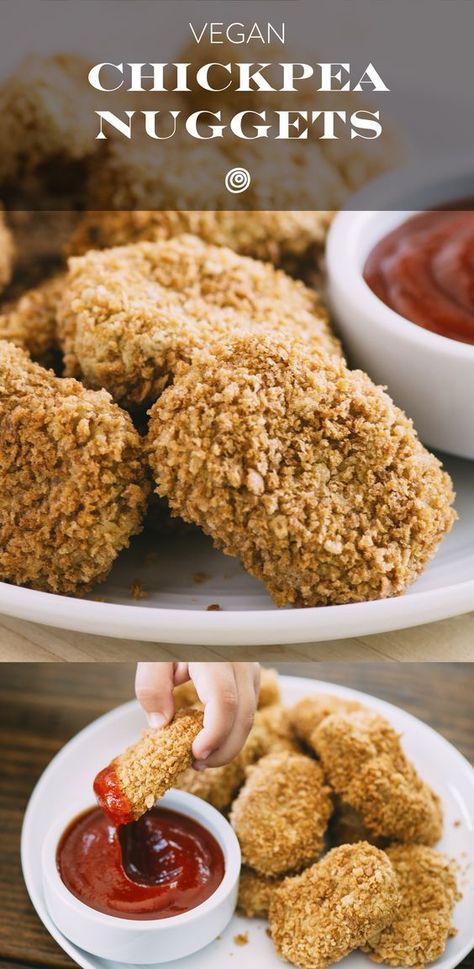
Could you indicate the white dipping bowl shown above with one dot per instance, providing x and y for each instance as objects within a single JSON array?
[
  {"x": 429, "y": 376},
  {"x": 145, "y": 941}
]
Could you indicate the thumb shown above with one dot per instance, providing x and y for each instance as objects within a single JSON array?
[{"x": 154, "y": 690}]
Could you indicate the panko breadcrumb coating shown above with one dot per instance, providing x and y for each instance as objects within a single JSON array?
[
  {"x": 287, "y": 239},
  {"x": 129, "y": 314},
  {"x": 366, "y": 766},
  {"x": 185, "y": 696},
  {"x": 6, "y": 251},
  {"x": 255, "y": 893},
  {"x": 281, "y": 814},
  {"x": 308, "y": 712},
  {"x": 337, "y": 905},
  {"x": 423, "y": 922},
  {"x": 132, "y": 782},
  {"x": 305, "y": 470},
  {"x": 30, "y": 321},
  {"x": 46, "y": 112},
  {"x": 73, "y": 483}
]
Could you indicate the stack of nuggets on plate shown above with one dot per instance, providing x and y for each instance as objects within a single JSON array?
[
  {"x": 258, "y": 432},
  {"x": 336, "y": 828}
]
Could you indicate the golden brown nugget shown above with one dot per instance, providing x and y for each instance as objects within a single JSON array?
[
  {"x": 423, "y": 922},
  {"x": 30, "y": 321},
  {"x": 132, "y": 782},
  {"x": 337, "y": 905},
  {"x": 281, "y": 814},
  {"x": 366, "y": 766},
  {"x": 286, "y": 239},
  {"x": 73, "y": 481},
  {"x": 7, "y": 250},
  {"x": 269, "y": 693},
  {"x": 255, "y": 893},
  {"x": 311, "y": 710},
  {"x": 46, "y": 112},
  {"x": 128, "y": 315},
  {"x": 305, "y": 470}
]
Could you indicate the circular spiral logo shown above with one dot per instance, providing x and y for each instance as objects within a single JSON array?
[{"x": 237, "y": 180}]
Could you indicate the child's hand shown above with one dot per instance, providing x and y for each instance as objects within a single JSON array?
[{"x": 228, "y": 691}]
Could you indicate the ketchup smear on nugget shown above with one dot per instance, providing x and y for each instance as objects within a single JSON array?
[
  {"x": 424, "y": 270},
  {"x": 164, "y": 864}
]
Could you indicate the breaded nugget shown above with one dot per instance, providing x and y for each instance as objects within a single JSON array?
[
  {"x": 423, "y": 922},
  {"x": 281, "y": 813},
  {"x": 255, "y": 893},
  {"x": 308, "y": 712},
  {"x": 287, "y": 239},
  {"x": 219, "y": 785},
  {"x": 46, "y": 112},
  {"x": 128, "y": 315},
  {"x": 366, "y": 766},
  {"x": 269, "y": 693},
  {"x": 73, "y": 482},
  {"x": 132, "y": 782},
  {"x": 337, "y": 905},
  {"x": 7, "y": 249},
  {"x": 30, "y": 321},
  {"x": 305, "y": 470}
]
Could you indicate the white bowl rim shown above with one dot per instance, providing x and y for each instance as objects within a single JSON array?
[
  {"x": 343, "y": 260},
  {"x": 228, "y": 843}
]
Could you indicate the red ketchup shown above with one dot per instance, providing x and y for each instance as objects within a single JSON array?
[
  {"x": 111, "y": 797},
  {"x": 161, "y": 865},
  {"x": 424, "y": 270}
]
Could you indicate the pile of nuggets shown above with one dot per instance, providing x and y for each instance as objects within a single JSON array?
[
  {"x": 191, "y": 362},
  {"x": 336, "y": 828}
]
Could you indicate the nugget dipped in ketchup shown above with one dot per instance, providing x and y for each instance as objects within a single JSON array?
[{"x": 133, "y": 781}]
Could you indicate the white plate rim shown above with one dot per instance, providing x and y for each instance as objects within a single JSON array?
[
  {"x": 86, "y": 961},
  {"x": 260, "y": 627}
]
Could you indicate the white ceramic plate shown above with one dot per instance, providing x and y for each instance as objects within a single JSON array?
[
  {"x": 175, "y": 607},
  {"x": 73, "y": 769}
]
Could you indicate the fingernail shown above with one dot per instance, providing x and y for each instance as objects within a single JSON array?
[
  {"x": 205, "y": 754},
  {"x": 199, "y": 766},
  {"x": 156, "y": 720}
]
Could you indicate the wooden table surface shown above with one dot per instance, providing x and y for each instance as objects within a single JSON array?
[
  {"x": 451, "y": 640},
  {"x": 42, "y": 706}
]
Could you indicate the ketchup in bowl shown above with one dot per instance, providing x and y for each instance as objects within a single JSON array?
[
  {"x": 424, "y": 270},
  {"x": 164, "y": 864}
]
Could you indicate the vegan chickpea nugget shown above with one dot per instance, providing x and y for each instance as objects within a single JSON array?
[
  {"x": 305, "y": 470},
  {"x": 366, "y": 766},
  {"x": 129, "y": 314},
  {"x": 46, "y": 112},
  {"x": 255, "y": 893},
  {"x": 132, "y": 782},
  {"x": 30, "y": 321},
  {"x": 281, "y": 813},
  {"x": 423, "y": 922},
  {"x": 337, "y": 905},
  {"x": 308, "y": 712},
  {"x": 284, "y": 238},
  {"x": 73, "y": 482}
]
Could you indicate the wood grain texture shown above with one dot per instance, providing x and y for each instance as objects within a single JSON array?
[
  {"x": 43, "y": 705},
  {"x": 449, "y": 641}
]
